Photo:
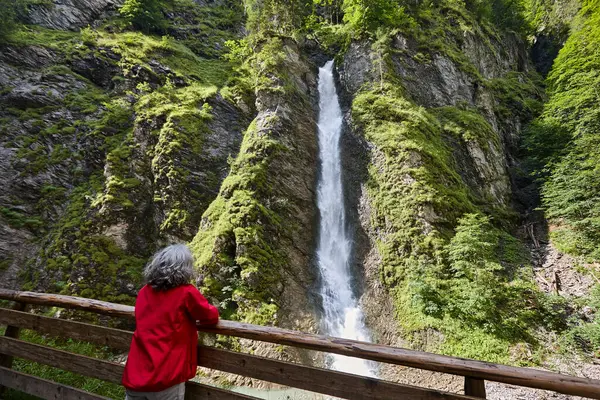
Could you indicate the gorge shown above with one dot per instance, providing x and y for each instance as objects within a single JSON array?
[{"x": 432, "y": 187}]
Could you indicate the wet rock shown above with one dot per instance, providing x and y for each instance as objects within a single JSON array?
[
  {"x": 32, "y": 57},
  {"x": 70, "y": 14},
  {"x": 98, "y": 69}
]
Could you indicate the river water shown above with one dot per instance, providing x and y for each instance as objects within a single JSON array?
[{"x": 342, "y": 314}]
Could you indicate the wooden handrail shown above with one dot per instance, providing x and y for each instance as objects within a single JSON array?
[
  {"x": 76, "y": 303},
  {"x": 100, "y": 369},
  {"x": 314, "y": 379},
  {"x": 43, "y": 388},
  {"x": 458, "y": 366}
]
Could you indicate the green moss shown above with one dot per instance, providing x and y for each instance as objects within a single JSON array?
[
  {"x": 447, "y": 268},
  {"x": 211, "y": 26},
  {"x": 86, "y": 263},
  {"x": 120, "y": 182},
  {"x": 4, "y": 264},
  {"x": 237, "y": 247},
  {"x": 483, "y": 298},
  {"x": 475, "y": 344},
  {"x": 257, "y": 61},
  {"x": 184, "y": 114},
  {"x": 518, "y": 94},
  {"x": 552, "y": 18},
  {"x": 86, "y": 101},
  {"x": 17, "y": 219},
  {"x": 468, "y": 125},
  {"x": 413, "y": 175},
  {"x": 68, "y": 44},
  {"x": 137, "y": 49}
]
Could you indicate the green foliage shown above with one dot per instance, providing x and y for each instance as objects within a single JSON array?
[
  {"x": 563, "y": 141},
  {"x": 89, "y": 37},
  {"x": 518, "y": 94},
  {"x": 65, "y": 43},
  {"x": 9, "y": 9},
  {"x": 485, "y": 286},
  {"x": 87, "y": 263},
  {"x": 17, "y": 219},
  {"x": 4, "y": 264},
  {"x": 467, "y": 124},
  {"x": 236, "y": 246},
  {"x": 330, "y": 10},
  {"x": 110, "y": 390},
  {"x": 280, "y": 17},
  {"x": 257, "y": 65},
  {"x": 509, "y": 14},
  {"x": 474, "y": 343},
  {"x": 137, "y": 49},
  {"x": 331, "y": 37},
  {"x": 368, "y": 16},
  {"x": 184, "y": 114},
  {"x": 578, "y": 334},
  {"x": 484, "y": 299},
  {"x": 207, "y": 27},
  {"x": 172, "y": 107},
  {"x": 448, "y": 267},
  {"x": 413, "y": 176},
  {"x": 551, "y": 17},
  {"x": 145, "y": 15}
]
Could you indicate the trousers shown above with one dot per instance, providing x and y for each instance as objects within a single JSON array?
[{"x": 176, "y": 392}]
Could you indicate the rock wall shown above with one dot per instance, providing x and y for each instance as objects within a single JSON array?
[
  {"x": 115, "y": 143},
  {"x": 446, "y": 93},
  {"x": 255, "y": 242}
]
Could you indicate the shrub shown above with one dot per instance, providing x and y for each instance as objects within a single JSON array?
[{"x": 145, "y": 15}]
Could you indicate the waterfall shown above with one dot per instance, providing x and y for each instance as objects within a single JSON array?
[{"x": 342, "y": 315}]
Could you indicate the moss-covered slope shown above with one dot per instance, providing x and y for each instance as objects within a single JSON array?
[
  {"x": 116, "y": 139},
  {"x": 441, "y": 116},
  {"x": 255, "y": 240},
  {"x": 562, "y": 145}
]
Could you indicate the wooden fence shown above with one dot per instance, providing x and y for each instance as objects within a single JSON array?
[{"x": 317, "y": 380}]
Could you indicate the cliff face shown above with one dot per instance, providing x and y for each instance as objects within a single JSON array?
[
  {"x": 255, "y": 241},
  {"x": 436, "y": 143},
  {"x": 114, "y": 143}
]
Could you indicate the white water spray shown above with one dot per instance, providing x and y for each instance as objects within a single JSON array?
[{"x": 343, "y": 317}]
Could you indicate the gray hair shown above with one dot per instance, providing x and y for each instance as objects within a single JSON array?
[{"x": 170, "y": 267}]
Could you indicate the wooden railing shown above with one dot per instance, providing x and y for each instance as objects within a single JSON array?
[{"x": 317, "y": 380}]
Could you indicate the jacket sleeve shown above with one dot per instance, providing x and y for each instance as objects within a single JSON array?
[{"x": 199, "y": 308}]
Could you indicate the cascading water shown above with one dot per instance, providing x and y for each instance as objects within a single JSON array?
[{"x": 343, "y": 317}]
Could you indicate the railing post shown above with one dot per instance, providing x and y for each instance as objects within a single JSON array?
[
  {"x": 474, "y": 387},
  {"x": 6, "y": 361}
]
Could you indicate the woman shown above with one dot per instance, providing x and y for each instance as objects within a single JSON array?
[{"x": 162, "y": 356}]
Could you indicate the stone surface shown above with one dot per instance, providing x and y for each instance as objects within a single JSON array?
[{"x": 70, "y": 14}]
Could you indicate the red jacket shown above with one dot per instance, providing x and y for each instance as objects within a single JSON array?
[{"x": 163, "y": 348}]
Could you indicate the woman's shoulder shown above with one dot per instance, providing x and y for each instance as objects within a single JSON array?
[{"x": 188, "y": 287}]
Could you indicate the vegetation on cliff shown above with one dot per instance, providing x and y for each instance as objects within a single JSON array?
[
  {"x": 446, "y": 247},
  {"x": 245, "y": 244},
  {"x": 472, "y": 283},
  {"x": 562, "y": 145},
  {"x": 563, "y": 139},
  {"x": 110, "y": 130},
  {"x": 119, "y": 146}
]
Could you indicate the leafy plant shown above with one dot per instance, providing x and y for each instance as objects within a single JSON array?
[
  {"x": 9, "y": 10},
  {"x": 145, "y": 15},
  {"x": 563, "y": 141}
]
